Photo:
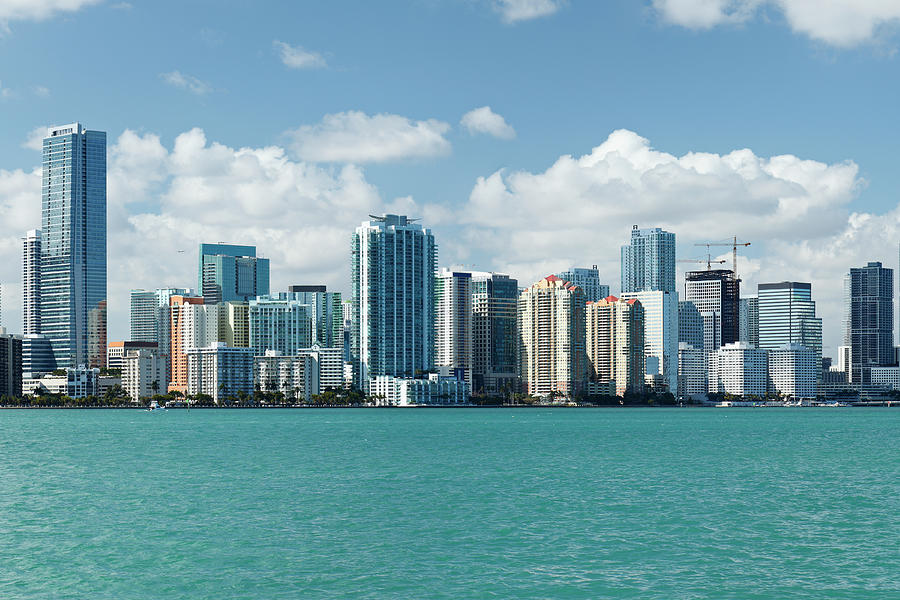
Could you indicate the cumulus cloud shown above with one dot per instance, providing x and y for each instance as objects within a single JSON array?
[
  {"x": 356, "y": 137},
  {"x": 35, "y": 138},
  {"x": 186, "y": 82},
  {"x": 513, "y": 11},
  {"x": 484, "y": 120},
  {"x": 295, "y": 57},
  {"x": 36, "y": 10},
  {"x": 843, "y": 23}
]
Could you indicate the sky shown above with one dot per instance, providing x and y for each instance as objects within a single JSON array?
[{"x": 529, "y": 135}]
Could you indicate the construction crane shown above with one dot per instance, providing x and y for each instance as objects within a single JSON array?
[
  {"x": 708, "y": 261},
  {"x": 734, "y": 246}
]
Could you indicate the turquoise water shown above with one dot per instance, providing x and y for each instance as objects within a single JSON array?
[{"x": 455, "y": 503}]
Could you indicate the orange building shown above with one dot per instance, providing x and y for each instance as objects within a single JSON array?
[{"x": 177, "y": 319}]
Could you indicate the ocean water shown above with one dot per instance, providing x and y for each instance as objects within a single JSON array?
[{"x": 450, "y": 503}]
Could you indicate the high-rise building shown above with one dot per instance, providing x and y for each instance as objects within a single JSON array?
[
  {"x": 73, "y": 245},
  {"x": 281, "y": 325},
  {"x": 219, "y": 371},
  {"x": 869, "y": 318},
  {"x": 748, "y": 319},
  {"x": 234, "y": 324},
  {"x": 10, "y": 364},
  {"x": 393, "y": 266},
  {"x": 184, "y": 334},
  {"x": 310, "y": 371},
  {"x": 693, "y": 372},
  {"x": 716, "y": 294},
  {"x": 229, "y": 272},
  {"x": 37, "y": 355},
  {"x": 144, "y": 316},
  {"x": 660, "y": 334},
  {"x": 738, "y": 368},
  {"x": 117, "y": 351},
  {"x": 690, "y": 325},
  {"x": 615, "y": 343},
  {"x": 787, "y": 315},
  {"x": 588, "y": 280},
  {"x": 552, "y": 357},
  {"x": 648, "y": 262},
  {"x": 475, "y": 329},
  {"x": 794, "y": 370},
  {"x": 325, "y": 310},
  {"x": 143, "y": 373},
  {"x": 31, "y": 283}
]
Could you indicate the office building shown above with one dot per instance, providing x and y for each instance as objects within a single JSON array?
[
  {"x": 787, "y": 315},
  {"x": 393, "y": 266},
  {"x": 885, "y": 377},
  {"x": 738, "y": 369},
  {"x": 143, "y": 373},
  {"x": 869, "y": 319},
  {"x": 78, "y": 382},
  {"x": 693, "y": 372},
  {"x": 228, "y": 272},
  {"x": 31, "y": 283},
  {"x": 37, "y": 355},
  {"x": 648, "y": 262},
  {"x": 748, "y": 319},
  {"x": 552, "y": 357},
  {"x": 589, "y": 282},
  {"x": 660, "y": 335},
  {"x": 10, "y": 364},
  {"x": 219, "y": 371},
  {"x": 495, "y": 367},
  {"x": 72, "y": 292},
  {"x": 716, "y": 294},
  {"x": 690, "y": 325},
  {"x": 405, "y": 391},
  {"x": 794, "y": 371},
  {"x": 615, "y": 343},
  {"x": 116, "y": 352}
]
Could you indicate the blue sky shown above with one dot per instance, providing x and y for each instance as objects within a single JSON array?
[{"x": 687, "y": 76}]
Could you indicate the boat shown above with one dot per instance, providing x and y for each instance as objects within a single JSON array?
[{"x": 154, "y": 406}]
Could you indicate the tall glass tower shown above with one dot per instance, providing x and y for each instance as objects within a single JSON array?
[
  {"x": 648, "y": 263},
  {"x": 869, "y": 319},
  {"x": 787, "y": 315},
  {"x": 73, "y": 245},
  {"x": 228, "y": 272}
]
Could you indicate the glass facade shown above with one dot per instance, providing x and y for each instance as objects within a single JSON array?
[
  {"x": 787, "y": 315},
  {"x": 648, "y": 263},
  {"x": 228, "y": 272},
  {"x": 588, "y": 280},
  {"x": 870, "y": 319},
  {"x": 73, "y": 245}
]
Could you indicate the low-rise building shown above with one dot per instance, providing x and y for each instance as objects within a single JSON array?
[
  {"x": 739, "y": 369},
  {"x": 311, "y": 371},
  {"x": 794, "y": 371},
  {"x": 219, "y": 371},
  {"x": 434, "y": 391},
  {"x": 78, "y": 382},
  {"x": 116, "y": 352}
]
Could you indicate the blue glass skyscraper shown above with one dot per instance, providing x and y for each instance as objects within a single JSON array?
[
  {"x": 229, "y": 272},
  {"x": 73, "y": 245}
]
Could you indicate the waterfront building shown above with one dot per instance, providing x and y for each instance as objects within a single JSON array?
[
  {"x": 31, "y": 283},
  {"x": 72, "y": 290},
  {"x": 787, "y": 315},
  {"x": 347, "y": 311},
  {"x": 794, "y": 370},
  {"x": 588, "y": 280},
  {"x": 311, "y": 371},
  {"x": 143, "y": 373},
  {"x": 393, "y": 264},
  {"x": 615, "y": 343},
  {"x": 144, "y": 316},
  {"x": 184, "y": 334},
  {"x": 433, "y": 391},
  {"x": 116, "y": 352},
  {"x": 739, "y": 369},
  {"x": 37, "y": 355},
  {"x": 648, "y": 262},
  {"x": 660, "y": 334},
  {"x": 282, "y": 325},
  {"x": 219, "y": 371},
  {"x": 552, "y": 357},
  {"x": 716, "y": 294},
  {"x": 453, "y": 329},
  {"x": 690, "y": 325},
  {"x": 869, "y": 319},
  {"x": 78, "y": 382},
  {"x": 10, "y": 364},
  {"x": 229, "y": 272},
  {"x": 748, "y": 319},
  {"x": 325, "y": 311},
  {"x": 693, "y": 372},
  {"x": 886, "y": 377},
  {"x": 234, "y": 324}
]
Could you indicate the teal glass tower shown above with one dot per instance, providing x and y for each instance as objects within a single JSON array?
[
  {"x": 230, "y": 273},
  {"x": 73, "y": 248}
]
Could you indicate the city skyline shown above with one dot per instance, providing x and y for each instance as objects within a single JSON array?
[{"x": 188, "y": 163}]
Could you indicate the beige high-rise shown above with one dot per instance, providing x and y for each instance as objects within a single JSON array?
[{"x": 615, "y": 343}]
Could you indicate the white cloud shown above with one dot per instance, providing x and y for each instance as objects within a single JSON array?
[
  {"x": 513, "y": 11},
  {"x": 36, "y": 10},
  {"x": 35, "y": 138},
  {"x": 484, "y": 120},
  {"x": 186, "y": 82},
  {"x": 356, "y": 137},
  {"x": 295, "y": 57},
  {"x": 580, "y": 210},
  {"x": 41, "y": 91},
  {"x": 843, "y": 23}
]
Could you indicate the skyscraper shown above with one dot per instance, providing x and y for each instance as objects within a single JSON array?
[
  {"x": 229, "y": 272},
  {"x": 660, "y": 334},
  {"x": 393, "y": 265},
  {"x": 279, "y": 324},
  {"x": 144, "y": 309},
  {"x": 325, "y": 310},
  {"x": 31, "y": 282},
  {"x": 690, "y": 325},
  {"x": 615, "y": 343},
  {"x": 787, "y": 315},
  {"x": 589, "y": 282},
  {"x": 716, "y": 294},
  {"x": 73, "y": 245},
  {"x": 869, "y": 319},
  {"x": 552, "y": 357},
  {"x": 648, "y": 263},
  {"x": 748, "y": 319}
]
